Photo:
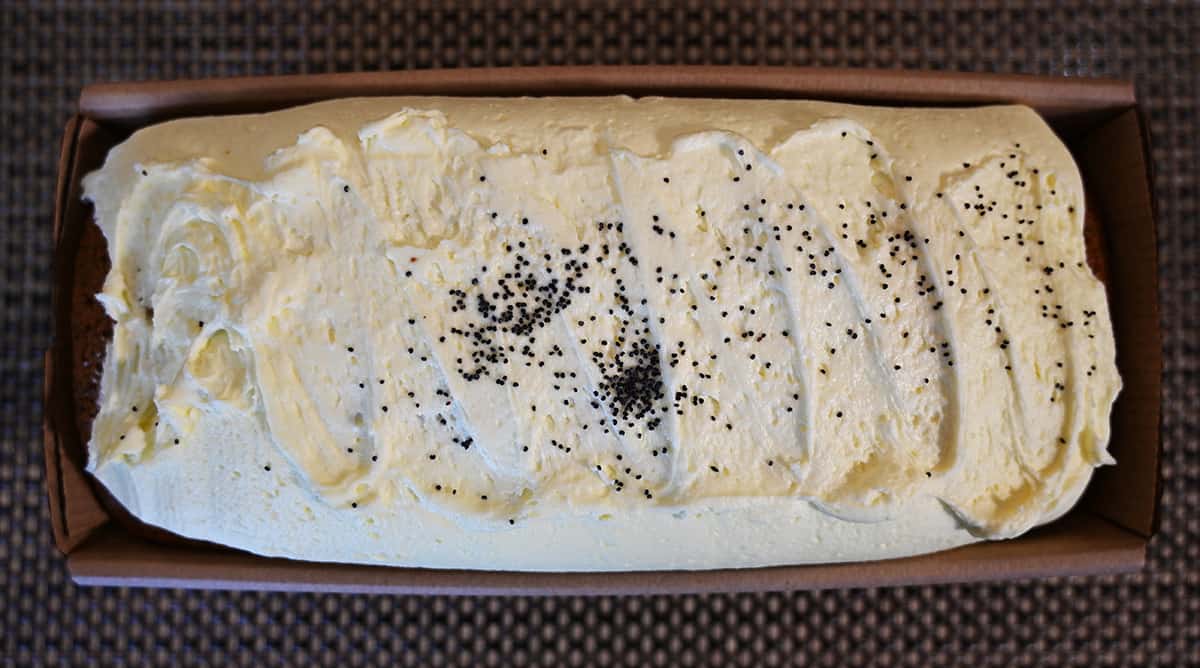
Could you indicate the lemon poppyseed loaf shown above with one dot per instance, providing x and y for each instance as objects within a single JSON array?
[{"x": 599, "y": 334}]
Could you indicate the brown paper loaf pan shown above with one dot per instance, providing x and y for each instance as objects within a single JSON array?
[
  {"x": 1099, "y": 119},
  {"x": 93, "y": 330}
]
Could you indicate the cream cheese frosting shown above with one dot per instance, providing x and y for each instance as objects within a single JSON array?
[{"x": 599, "y": 334}]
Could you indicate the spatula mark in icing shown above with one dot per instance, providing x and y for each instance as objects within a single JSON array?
[
  {"x": 742, "y": 156},
  {"x": 627, "y": 371},
  {"x": 870, "y": 327},
  {"x": 1017, "y": 229},
  {"x": 683, "y": 293}
]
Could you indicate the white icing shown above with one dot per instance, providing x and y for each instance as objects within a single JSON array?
[{"x": 825, "y": 345}]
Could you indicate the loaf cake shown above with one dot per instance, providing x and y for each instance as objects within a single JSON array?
[{"x": 599, "y": 333}]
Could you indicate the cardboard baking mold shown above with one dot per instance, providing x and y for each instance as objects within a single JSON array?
[{"x": 1099, "y": 120}]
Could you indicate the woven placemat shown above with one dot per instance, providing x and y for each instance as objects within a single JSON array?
[{"x": 48, "y": 52}]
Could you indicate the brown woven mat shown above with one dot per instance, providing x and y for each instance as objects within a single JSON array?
[{"x": 47, "y": 53}]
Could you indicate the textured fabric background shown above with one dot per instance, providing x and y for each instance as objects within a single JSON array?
[{"x": 47, "y": 52}]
